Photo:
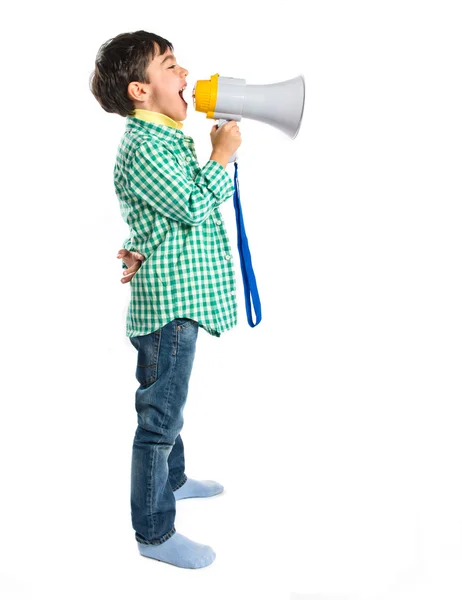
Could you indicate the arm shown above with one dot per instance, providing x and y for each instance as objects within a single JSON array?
[{"x": 157, "y": 178}]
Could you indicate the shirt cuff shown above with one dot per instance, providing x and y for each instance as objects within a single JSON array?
[{"x": 219, "y": 181}]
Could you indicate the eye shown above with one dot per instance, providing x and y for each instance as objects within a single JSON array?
[{"x": 172, "y": 67}]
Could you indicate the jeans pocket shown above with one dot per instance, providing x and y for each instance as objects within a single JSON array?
[
  {"x": 148, "y": 347},
  {"x": 184, "y": 323}
]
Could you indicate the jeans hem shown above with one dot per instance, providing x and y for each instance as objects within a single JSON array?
[
  {"x": 164, "y": 538},
  {"x": 183, "y": 481}
]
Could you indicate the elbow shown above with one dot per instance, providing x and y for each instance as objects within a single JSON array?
[{"x": 197, "y": 218}]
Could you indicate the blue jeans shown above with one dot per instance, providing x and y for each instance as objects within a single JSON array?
[{"x": 165, "y": 360}]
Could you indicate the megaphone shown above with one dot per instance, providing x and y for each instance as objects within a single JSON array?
[
  {"x": 277, "y": 104},
  {"x": 228, "y": 99}
]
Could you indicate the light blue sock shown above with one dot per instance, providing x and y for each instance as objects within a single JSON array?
[
  {"x": 192, "y": 488},
  {"x": 180, "y": 551}
]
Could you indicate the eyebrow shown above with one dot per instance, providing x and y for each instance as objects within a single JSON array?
[{"x": 169, "y": 57}]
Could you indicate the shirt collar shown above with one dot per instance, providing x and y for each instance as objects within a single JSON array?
[
  {"x": 157, "y": 123},
  {"x": 155, "y": 117}
]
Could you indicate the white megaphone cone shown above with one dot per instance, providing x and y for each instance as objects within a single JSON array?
[{"x": 278, "y": 104}]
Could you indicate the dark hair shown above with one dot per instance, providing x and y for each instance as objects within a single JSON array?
[{"x": 119, "y": 61}]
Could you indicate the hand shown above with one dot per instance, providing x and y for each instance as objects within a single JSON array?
[
  {"x": 133, "y": 261},
  {"x": 225, "y": 139}
]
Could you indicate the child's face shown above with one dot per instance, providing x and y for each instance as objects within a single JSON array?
[{"x": 162, "y": 94}]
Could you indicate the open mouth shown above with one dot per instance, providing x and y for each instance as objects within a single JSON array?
[{"x": 181, "y": 96}]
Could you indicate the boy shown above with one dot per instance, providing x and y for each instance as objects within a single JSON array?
[{"x": 185, "y": 281}]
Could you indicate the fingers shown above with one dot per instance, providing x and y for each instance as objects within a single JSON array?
[
  {"x": 133, "y": 269},
  {"x": 130, "y": 258},
  {"x": 229, "y": 125},
  {"x": 130, "y": 272},
  {"x": 127, "y": 278},
  {"x": 123, "y": 253},
  {"x": 234, "y": 128}
]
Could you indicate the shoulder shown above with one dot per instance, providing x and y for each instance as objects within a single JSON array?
[{"x": 147, "y": 145}]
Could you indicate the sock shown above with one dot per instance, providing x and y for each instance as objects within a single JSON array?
[
  {"x": 180, "y": 551},
  {"x": 192, "y": 488}
]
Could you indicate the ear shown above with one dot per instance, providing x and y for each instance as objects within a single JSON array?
[{"x": 135, "y": 91}]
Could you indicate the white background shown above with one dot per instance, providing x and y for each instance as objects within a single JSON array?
[{"x": 334, "y": 425}]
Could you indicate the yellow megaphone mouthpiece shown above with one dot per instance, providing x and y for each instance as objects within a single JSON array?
[{"x": 205, "y": 95}]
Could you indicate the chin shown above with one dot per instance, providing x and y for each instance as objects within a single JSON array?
[
  {"x": 179, "y": 116},
  {"x": 183, "y": 114}
]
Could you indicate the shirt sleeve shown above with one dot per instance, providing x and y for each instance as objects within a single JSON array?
[{"x": 157, "y": 177}]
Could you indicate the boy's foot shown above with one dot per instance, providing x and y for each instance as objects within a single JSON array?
[
  {"x": 192, "y": 488},
  {"x": 180, "y": 551}
]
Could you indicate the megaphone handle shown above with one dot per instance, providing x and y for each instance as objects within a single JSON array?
[{"x": 233, "y": 158}]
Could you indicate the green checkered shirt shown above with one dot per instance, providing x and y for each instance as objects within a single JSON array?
[{"x": 171, "y": 207}]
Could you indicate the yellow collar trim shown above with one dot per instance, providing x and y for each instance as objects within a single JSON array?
[{"x": 155, "y": 117}]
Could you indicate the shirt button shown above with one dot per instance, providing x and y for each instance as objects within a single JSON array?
[
  {"x": 189, "y": 159},
  {"x": 218, "y": 221},
  {"x": 227, "y": 257},
  {"x": 233, "y": 292}
]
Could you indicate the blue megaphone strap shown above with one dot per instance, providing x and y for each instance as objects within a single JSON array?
[{"x": 250, "y": 284}]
